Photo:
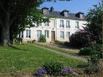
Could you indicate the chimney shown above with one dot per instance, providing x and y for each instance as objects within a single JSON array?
[
  {"x": 51, "y": 9},
  {"x": 80, "y": 15},
  {"x": 45, "y": 10}
]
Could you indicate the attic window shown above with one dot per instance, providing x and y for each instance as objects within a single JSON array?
[
  {"x": 65, "y": 13},
  {"x": 45, "y": 10},
  {"x": 80, "y": 15}
]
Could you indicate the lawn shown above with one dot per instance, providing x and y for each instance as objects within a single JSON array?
[{"x": 28, "y": 57}]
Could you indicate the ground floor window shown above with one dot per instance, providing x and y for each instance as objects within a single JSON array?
[
  {"x": 62, "y": 34},
  {"x": 39, "y": 33},
  {"x": 28, "y": 33},
  {"x": 21, "y": 35},
  {"x": 68, "y": 34},
  {"x": 47, "y": 33}
]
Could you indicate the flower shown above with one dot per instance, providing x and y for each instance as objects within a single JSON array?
[
  {"x": 66, "y": 71},
  {"x": 40, "y": 72}
]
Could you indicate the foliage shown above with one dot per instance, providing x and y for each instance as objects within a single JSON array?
[
  {"x": 95, "y": 54},
  {"x": 94, "y": 50},
  {"x": 53, "y": 68},
  {"x": 40, "y": 72},
  {"x": 67, "y": 71},
  {"x": 85, "y": 51},
  {"x": 94, "y": 17},
  {"x": 15, "y": 15},
  {"x": 94, "y": 26},
  {"x": 42, "y": 38},
  {"x": 28, "y": 57},
  {"x": 93, "y": 64},
  {"x": 81, "y": 39}
]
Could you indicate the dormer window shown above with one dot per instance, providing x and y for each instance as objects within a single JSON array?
[
  {"x": 80, "y": 15},
  {"x": 65, "y": 13},
  {"x": 45, "y": 10}
]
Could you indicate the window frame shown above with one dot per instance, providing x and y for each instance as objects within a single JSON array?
[
  {"x": 46, "y": 23},
  {"x": 62, "y": 23},
  {"x": 28, "y": 33},
  {"x": 39, "y": 34},
  {"x": 62, "y": 34},
  {"x": 68, "y": 24},
  {"x": 68, "y": 34},
  {"x": 47, "y": 33},
  {"x": 77, "y": 25}
]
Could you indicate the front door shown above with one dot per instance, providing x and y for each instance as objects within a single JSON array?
[{"x": 52, "y": 36}]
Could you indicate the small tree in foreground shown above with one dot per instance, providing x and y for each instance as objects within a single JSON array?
[
  {"x": 81, "y": 39},
  {"x": 94, "y": 26}
]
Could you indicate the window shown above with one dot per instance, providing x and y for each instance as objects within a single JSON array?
[
  {"x": 40, "y": 24},
  {"x": 21, "y": 35},
  {"x": 28, "y": 33},
  {"x": 68, "y": 34},
  {"x": 39, "y": 32},
  {"x": 47, "y": 33},
  {"x": 61, "y": 23},
  {"x": 68, "y": 24},
  {"x": 46, "y": 23},
  {"x": 62, "y": 34},
  {"x": 77, "y": 24}
]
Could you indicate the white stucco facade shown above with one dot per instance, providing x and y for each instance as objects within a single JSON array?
[{"x": 54, "y": 31}]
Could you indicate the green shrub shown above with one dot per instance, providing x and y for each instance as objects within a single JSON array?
[
  {"x": 85, "y": 51},
  {"x": 17, "y": 40},
  {"x": 58, "y": 42},
  {"x": 81, "y": 39},
  {"x": 42, "y": 38},
  {"x": 94, "y": 50},
  {"x": 95, "y": 54},
  {"x": 53, "y": 68}
]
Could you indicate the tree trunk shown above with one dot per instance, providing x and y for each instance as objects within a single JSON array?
[
  {"x": 5, "y": 36},
  {"x": 6, "y": 31},
  {"x": 11, "y": 36}
]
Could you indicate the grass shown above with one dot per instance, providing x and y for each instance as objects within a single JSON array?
[
  {"x": 61, "y": 49},
  {"x": 28, "y": 57}
]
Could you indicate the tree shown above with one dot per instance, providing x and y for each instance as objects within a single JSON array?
[
  {"x": 94, "y": 26},
  {"x": 81, "y": 38},
  {"x": 13, "y": 14}
]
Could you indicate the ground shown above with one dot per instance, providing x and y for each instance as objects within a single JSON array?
[
  {"x": 23, "y": 60},
  {"x": 29, "y": 57}
]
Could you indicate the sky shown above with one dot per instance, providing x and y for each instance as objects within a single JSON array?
[{"x": 73, "y": 6}]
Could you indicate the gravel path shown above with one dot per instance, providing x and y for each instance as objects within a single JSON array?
[{"x": 63, "y": 54}]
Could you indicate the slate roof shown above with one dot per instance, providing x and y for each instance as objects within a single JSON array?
[{"x": 57, "y": 14}]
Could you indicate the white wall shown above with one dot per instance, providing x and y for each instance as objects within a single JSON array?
[{"x": 54, "y": 25}]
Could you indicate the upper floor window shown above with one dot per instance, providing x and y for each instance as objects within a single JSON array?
[
  {"x": 61, "y": 23},
  {"x": 46, "y": 23},
  {"x": 40, "y": 24},
  {"x": 28, "y": 33},
  {"x": 68, "y": 24},
  {"x": 47, "y": 33},
  {"x": 77, "y": 24},
  {"x": 62, "y": 34}
]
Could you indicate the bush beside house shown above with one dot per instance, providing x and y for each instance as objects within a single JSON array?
[{"x": 42, "y": 38}]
